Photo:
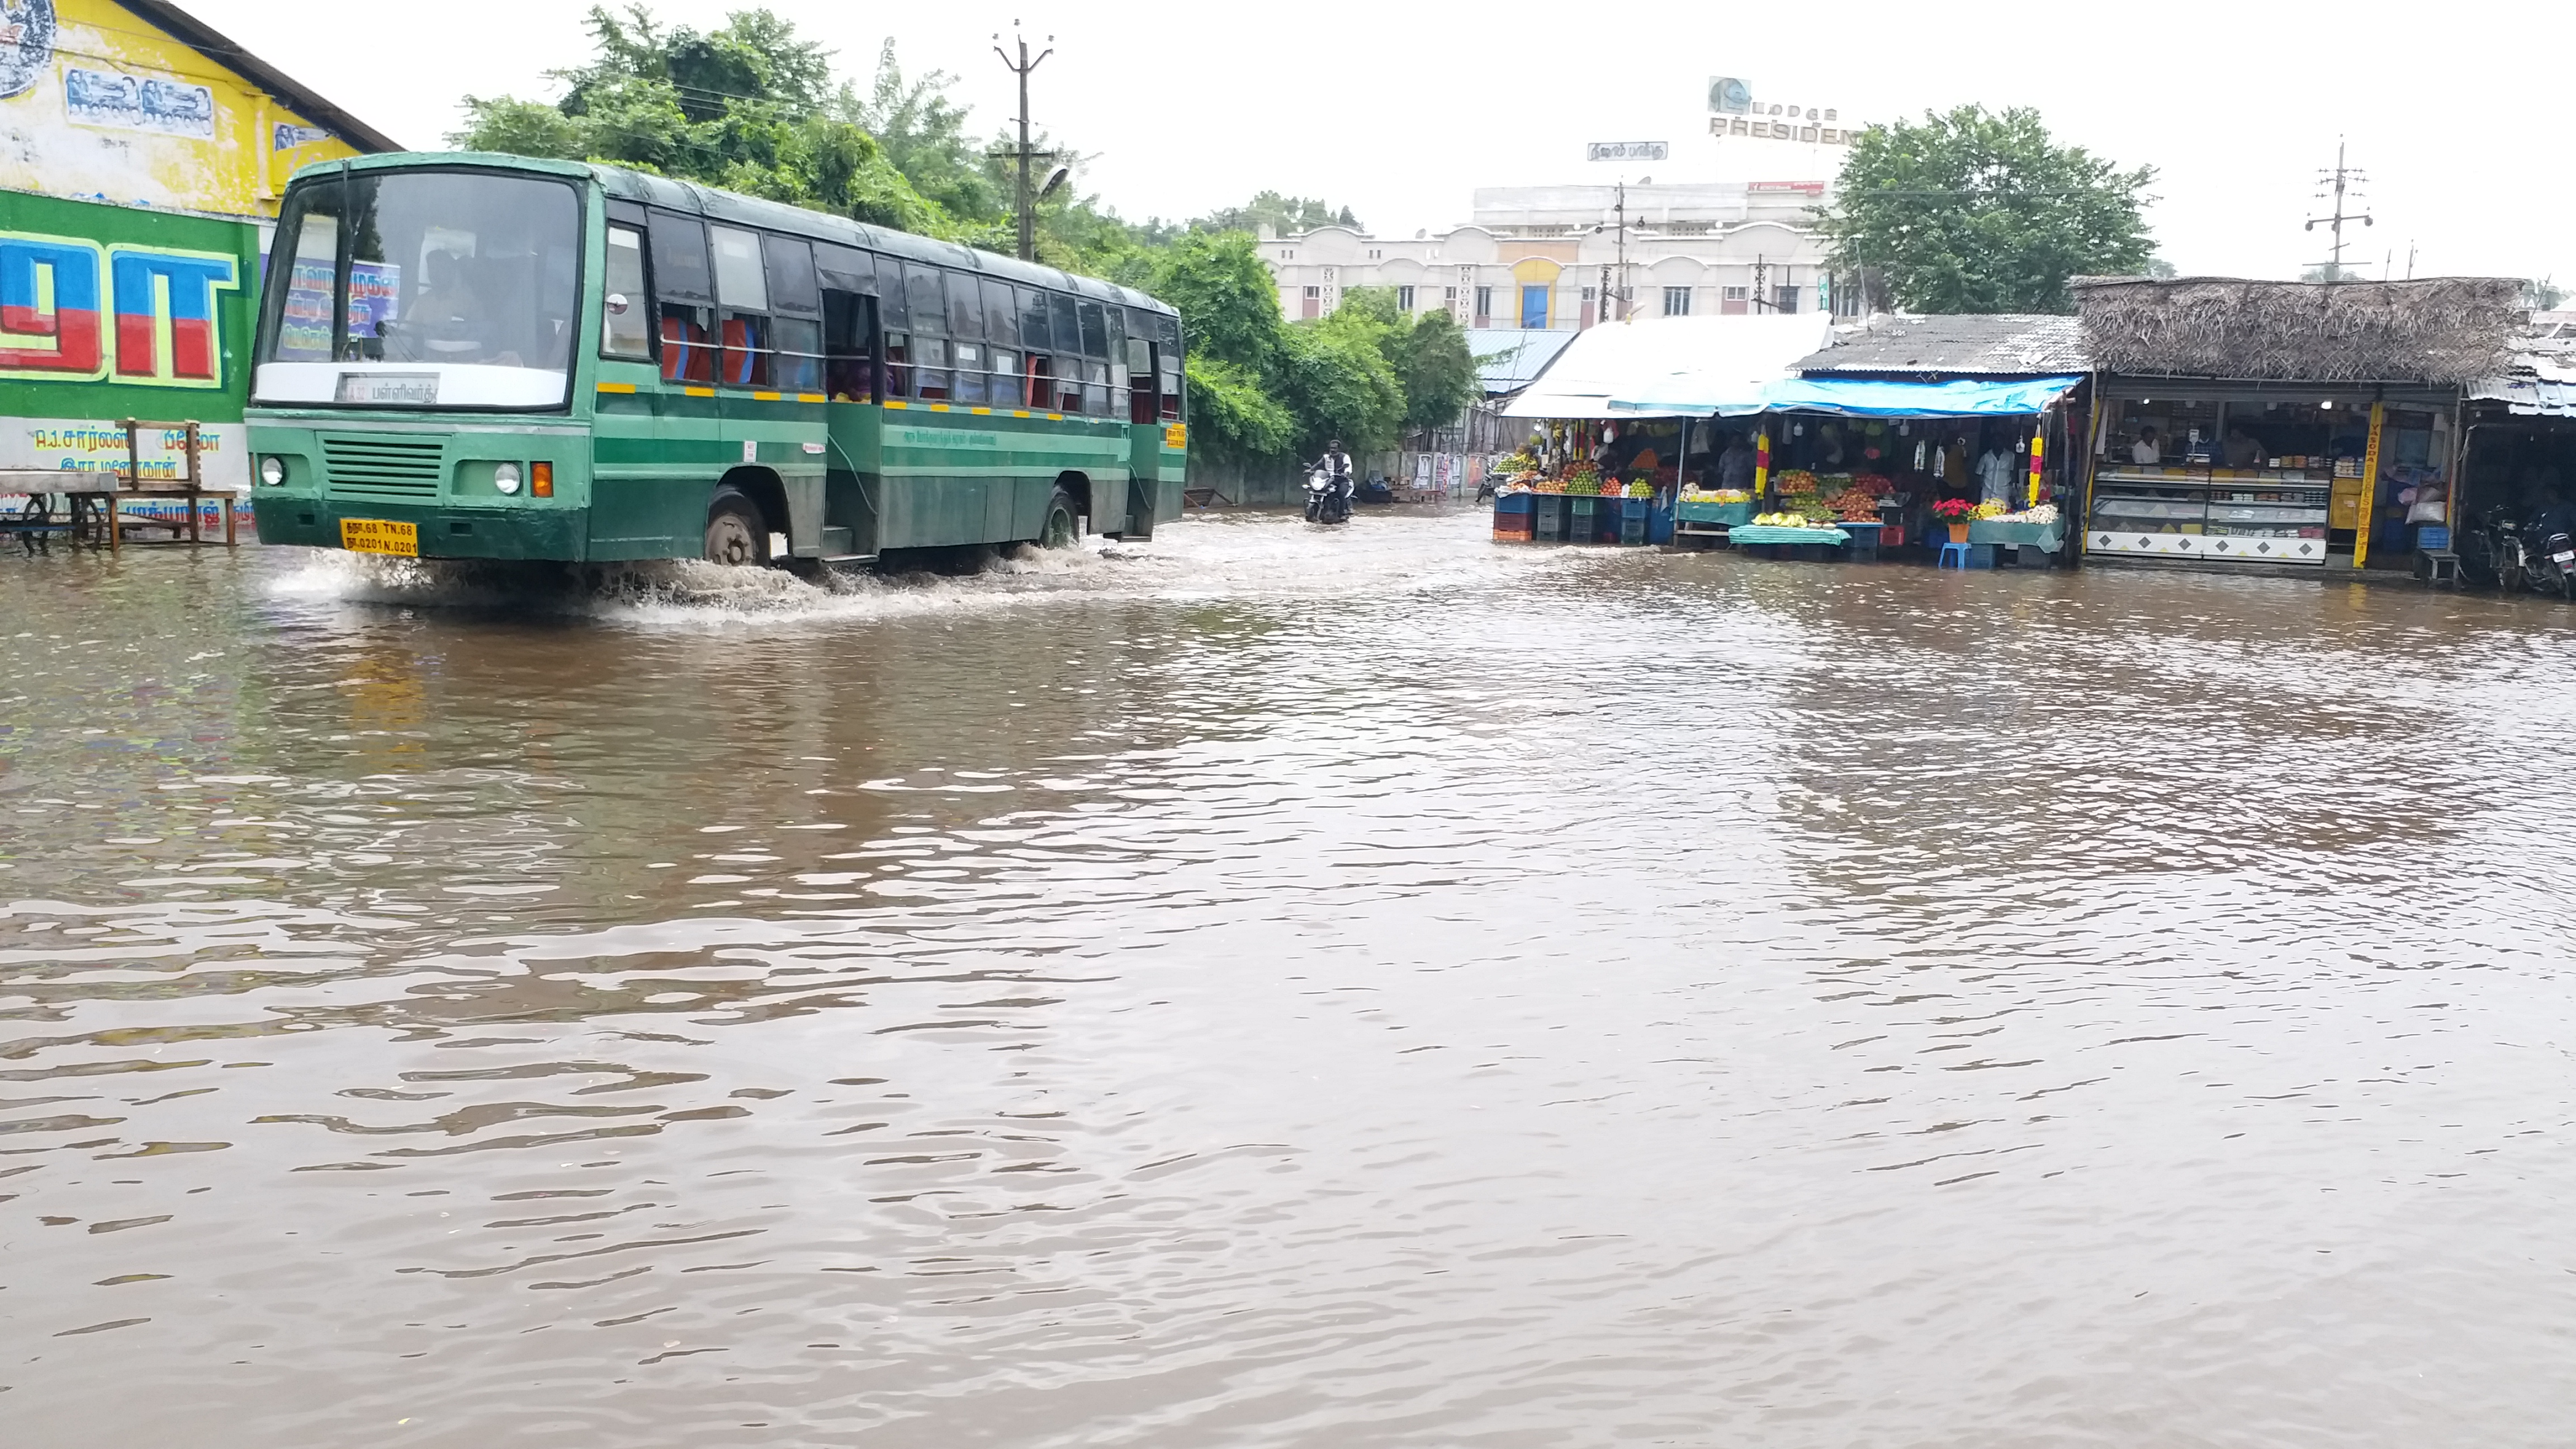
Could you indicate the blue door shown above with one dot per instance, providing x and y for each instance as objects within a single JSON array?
[{"x": 1534, "y": 307}]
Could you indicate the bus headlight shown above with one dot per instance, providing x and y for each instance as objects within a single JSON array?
[
  {"x": 505, "y": 476},
  {"x": 272, "y": 471}
]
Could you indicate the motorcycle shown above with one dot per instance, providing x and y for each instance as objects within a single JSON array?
[
  {"x": 2501, "y": 557},
  {"x": 1328, "y": 500},
  {"x": 2552, "y": 567}
]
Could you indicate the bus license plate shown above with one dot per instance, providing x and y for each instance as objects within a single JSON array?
[{"x": 379, "y": 535}]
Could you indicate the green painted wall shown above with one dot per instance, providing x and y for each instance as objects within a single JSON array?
[{"x": 50, "y": 418}]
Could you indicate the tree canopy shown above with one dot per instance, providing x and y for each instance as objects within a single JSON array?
[
  {"x": 1284, "y": 215},
  {"x": 1977, "y": 211},
  {"x": 753, "y": 106}
]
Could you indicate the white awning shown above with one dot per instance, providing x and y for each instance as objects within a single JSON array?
[{"x": 1706, "y": 359}]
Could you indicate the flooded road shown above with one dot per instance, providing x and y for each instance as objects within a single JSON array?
[{"x": 1269, "y": 988}]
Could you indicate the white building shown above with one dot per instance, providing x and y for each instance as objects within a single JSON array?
[{"x": 1547, "y": 257}]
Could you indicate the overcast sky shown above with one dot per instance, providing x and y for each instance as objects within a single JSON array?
[{"x": 1401, "y": 111}]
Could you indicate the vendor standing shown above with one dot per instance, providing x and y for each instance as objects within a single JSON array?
[
  {"x": 1735, "y": 465},
  {"x": 1994, "y": 475},
  {"x": 2146, "y": 452}
]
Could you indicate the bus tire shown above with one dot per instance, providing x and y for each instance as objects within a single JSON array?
[
  {"x": 736, "y": 533},
  {"x": 1057, "y": 532}
]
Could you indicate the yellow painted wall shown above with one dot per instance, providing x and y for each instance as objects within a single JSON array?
[{"x": 216, "y": 149}]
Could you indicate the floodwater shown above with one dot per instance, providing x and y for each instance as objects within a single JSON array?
[{"x": 1273, "y": 987}]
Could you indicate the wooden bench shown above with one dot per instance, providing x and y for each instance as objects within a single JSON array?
[{"x": 95, "y": 499}]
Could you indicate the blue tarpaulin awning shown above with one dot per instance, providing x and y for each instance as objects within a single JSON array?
[{"x": 1859, "y": 398}]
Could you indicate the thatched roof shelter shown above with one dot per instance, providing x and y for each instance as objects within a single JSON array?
[{"x": 2441, "y": 330}]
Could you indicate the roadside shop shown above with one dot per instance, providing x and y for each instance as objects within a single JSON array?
[
  {"x": 2518, "y": 466},
  {"x": 2282, "y": 425},
  {"x": 1898, "y": 434},
  {"x": 1600, "y": 466},
  {"x": 1911, "y": 433}
]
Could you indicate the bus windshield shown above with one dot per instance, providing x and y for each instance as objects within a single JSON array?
[{"x": 422, "y": 289}]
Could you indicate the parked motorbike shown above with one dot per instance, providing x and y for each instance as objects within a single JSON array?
[
  {"x": 1328, "y": 500},
  {"x": 2500, "y": 556},
  {"x": 2552, "y": 564}
]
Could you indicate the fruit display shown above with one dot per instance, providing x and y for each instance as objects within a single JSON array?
[
  {"x": 1793, "y": 481},
  {"x": 2044, "y": 513},
  {"x": 1790, "y": 520},
  {"x": 1715, "y": 495}
]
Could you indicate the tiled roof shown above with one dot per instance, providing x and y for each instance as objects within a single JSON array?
[{"x": 2003, "y": 344}]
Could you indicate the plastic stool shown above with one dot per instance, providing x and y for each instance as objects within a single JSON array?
[
  {"x": 1949, "y": 550},
  {"x": 2441, "y": 564}
]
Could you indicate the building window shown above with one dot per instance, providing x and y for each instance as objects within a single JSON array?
[
  {"x": 1534, "y": 307},
  {"x": 1404, "y": 299},
  {"x": 1484, "y": 305},
  {"x": 1677, "y": 301},
  {"x": 1735, "y": 301},
  {"x": 1785, "y": 299},
  {"x": 1314, "y": 302}
]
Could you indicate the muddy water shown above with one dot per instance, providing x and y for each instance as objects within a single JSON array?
[{"x": 1268, "y": 988}]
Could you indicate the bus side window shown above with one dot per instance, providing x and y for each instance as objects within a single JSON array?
[
  {"x": 1167, "y": 362},
  {"x": 626, "y": 318},
  {"x": 849, "y": 364},
  {"x": 1140, "y": 377},
  {"x": 966, "y": 334},
  {"x": 684, "y": 298},
  {"x": 742, "y": 290},
  {"x": 1116, "y": 403},
  {"x": 796, "y": 300},
  {"x": 1041, "y": 374}
]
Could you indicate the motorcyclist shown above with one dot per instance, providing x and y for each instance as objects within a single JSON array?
[{"x": 1336, "y": 466}]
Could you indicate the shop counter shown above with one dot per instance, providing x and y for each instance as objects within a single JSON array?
[{"x": 2046, "y": 537}]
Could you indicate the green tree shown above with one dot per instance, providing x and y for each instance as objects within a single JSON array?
[
  {"x": 1335, "y": 379},
  {"x": 1436, "y": 370},
  {"x": 1228, "y": 301},
  {"x": 1284, "y": 215},
  {"x": 1977, "y": 211},
  {"x": 924, "y": 135},
  {"x": 1233, "y": 416},
  {"x": 749, "y": 107}
]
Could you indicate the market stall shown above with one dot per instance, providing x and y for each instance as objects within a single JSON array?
[
  {"x": 1867, "y": 458},
  {"x": 1604, "y": 466},
  {"x": 2282, "y": 424}
]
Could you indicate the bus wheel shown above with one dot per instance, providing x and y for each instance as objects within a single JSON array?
[
  {"x": 1058, "y": 532},
  {"x": 734, "y": 531}
]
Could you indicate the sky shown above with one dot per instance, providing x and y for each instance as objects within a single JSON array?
[{"x": 1401, "y": 111}]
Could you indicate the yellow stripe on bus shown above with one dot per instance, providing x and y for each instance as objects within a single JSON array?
[
  {"x": 1055, "y": 417},
  {"x": 810, "y": 397},
  {"x": 1019, "y": 412},
  {"x": 617, "y": 387},
  {"x": 699, "y": 391},
  {"x": 939, "y": 407},
  {"x": 765, "y": 397},
  {"x": 893, "y": 403},
  {"x": 979, "y": 412}
]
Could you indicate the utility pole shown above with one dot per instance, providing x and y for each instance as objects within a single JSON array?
[
  {"x": 2341, "y": 177},
  {"x": 1021, "y": 68},
  {"x": 1623, "y": 249}
]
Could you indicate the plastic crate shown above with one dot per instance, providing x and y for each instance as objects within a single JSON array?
[{"x": 2433, "y": 535}]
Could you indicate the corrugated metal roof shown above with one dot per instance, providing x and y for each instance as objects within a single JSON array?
[
  {"x": 1997, "y": 344},
  {"x": 2541, "y": 380},
  {"x": 1508, "y": 357}
]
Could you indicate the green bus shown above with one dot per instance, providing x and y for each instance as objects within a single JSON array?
[{"x": 474, "y": 356}]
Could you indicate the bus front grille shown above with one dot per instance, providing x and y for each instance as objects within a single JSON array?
[{"x": 383, "y": 467}]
